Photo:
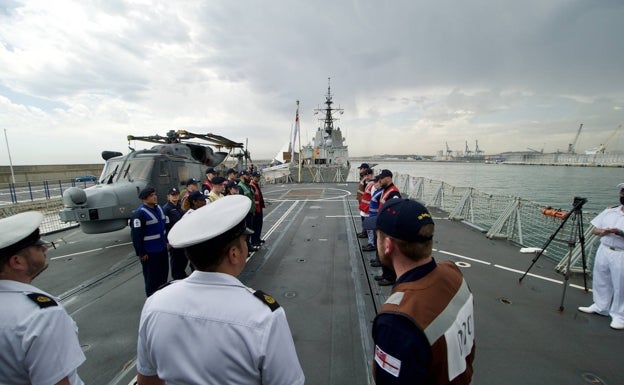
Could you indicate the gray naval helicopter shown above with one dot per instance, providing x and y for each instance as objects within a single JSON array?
[{"x": 109, "y": 204}]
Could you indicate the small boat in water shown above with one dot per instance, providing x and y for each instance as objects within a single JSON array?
[{"x": 325, "y": 159}]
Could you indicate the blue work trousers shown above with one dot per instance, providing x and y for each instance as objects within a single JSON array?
[{"x": 155, "y": 271}]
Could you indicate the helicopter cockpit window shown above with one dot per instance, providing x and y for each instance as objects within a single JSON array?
[
  {"x": 134, "y": 169},
  {"x": 137, "y": 169},
  {"x": 110, "y": 171}
]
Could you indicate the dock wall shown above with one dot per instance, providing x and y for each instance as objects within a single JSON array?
[
  {"x": 563, "y": 159},
  {"x": 35, "y": 173}
]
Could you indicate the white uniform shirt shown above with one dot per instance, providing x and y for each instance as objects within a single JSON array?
[
  {"x": 38, "y": 345},
  {"x": 611, "y": 218},
  {"x": 210, "y": 329}
]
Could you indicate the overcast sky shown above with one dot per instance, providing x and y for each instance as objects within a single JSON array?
[{"x": 77, "y": 77}]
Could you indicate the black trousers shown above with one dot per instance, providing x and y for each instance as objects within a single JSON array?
[
  {"x": 257, "y": 228},
  {"x": 178, "y": 263}
]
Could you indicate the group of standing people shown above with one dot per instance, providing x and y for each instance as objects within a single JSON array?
[
  {"x": 429, "y": 300},
  {"x": 151, "y": 223},
  {"x": 373, "y": 192}
]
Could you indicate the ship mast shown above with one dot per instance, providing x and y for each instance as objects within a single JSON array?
[{"x": 328, "y": 121}]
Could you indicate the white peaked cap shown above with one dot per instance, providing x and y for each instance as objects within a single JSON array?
[{"x": 209, "y": 221}]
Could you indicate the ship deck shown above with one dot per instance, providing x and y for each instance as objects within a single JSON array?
[{"x": 313, "y": 265}]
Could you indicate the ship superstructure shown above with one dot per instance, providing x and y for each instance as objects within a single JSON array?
[{"x": 325, "y": 159}]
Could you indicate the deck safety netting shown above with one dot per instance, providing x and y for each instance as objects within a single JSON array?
[{"x": 506, "y": 217}]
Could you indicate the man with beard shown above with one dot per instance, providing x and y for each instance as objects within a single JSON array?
[
  {"x": 424, "y": 332},
  {"x": 39, "y": 339}
]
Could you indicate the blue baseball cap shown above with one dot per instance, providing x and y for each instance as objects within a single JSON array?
[
  {"x": 147, "y": 191},
  {"x": 196, "y": 196},
  {"x": 401, "y": 219}
]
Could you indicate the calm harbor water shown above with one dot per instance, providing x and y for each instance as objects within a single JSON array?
[{"x": 554, "y": 186}]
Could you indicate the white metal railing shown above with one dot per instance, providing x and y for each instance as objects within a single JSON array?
[{"x": 515, "y": 219}]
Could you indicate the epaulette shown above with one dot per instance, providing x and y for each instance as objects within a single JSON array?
[
  {"x": 42, "y": 300},
  {"x": 267, "y": 300},
  {"x": 612, "y": 207}
]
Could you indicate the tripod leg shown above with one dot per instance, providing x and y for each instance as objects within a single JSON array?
[
  {"x": 583, "y": 259},
  {"x": 571, "y": 243}
]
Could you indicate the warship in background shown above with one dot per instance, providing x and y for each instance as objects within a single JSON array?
[{"x": 325, "y": 159}]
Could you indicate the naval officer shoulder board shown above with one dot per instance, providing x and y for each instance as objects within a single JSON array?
[
  {"x": 265, "y": 299},
  {"x": 42, "y": 300}
]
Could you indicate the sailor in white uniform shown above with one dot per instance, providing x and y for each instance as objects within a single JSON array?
[
  {"x": 209, "y": 328},
  {"x": 39, "y": 339},
  {"x": 608, "y": 275}
]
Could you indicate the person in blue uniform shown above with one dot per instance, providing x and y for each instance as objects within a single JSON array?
[
  {"x": 424, "y": 332},
  {"x": 148, "y": 232},
  {"x": 173, "y": 211},
  {"x": 210, "y": 328},
  {"x": 39, "y": 339}
]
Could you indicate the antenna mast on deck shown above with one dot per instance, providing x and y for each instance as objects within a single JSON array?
[{"x": 328, "y": 120}]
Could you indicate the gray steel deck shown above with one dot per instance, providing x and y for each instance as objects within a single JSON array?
[{"x": 312, "y": 263}]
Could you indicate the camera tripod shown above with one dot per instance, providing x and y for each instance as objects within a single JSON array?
[{"x": 576, "y": 233}]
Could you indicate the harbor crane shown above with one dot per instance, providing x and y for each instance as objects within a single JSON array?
[
  {"x": 478, "y": 151},
  {"x": 603, "y": 147},
  {"x": 467, "y": 152},
  {"x": 449, "y": 152},
  {"x": 571, "y": 146}
]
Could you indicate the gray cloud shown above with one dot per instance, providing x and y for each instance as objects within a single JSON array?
[{"x": 510, "y": 75}]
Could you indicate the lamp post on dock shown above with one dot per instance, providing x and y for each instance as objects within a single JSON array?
[{"x": 9, "y": 152}]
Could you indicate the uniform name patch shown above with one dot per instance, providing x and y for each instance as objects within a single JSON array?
[{"x": 388, "y": 363}]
